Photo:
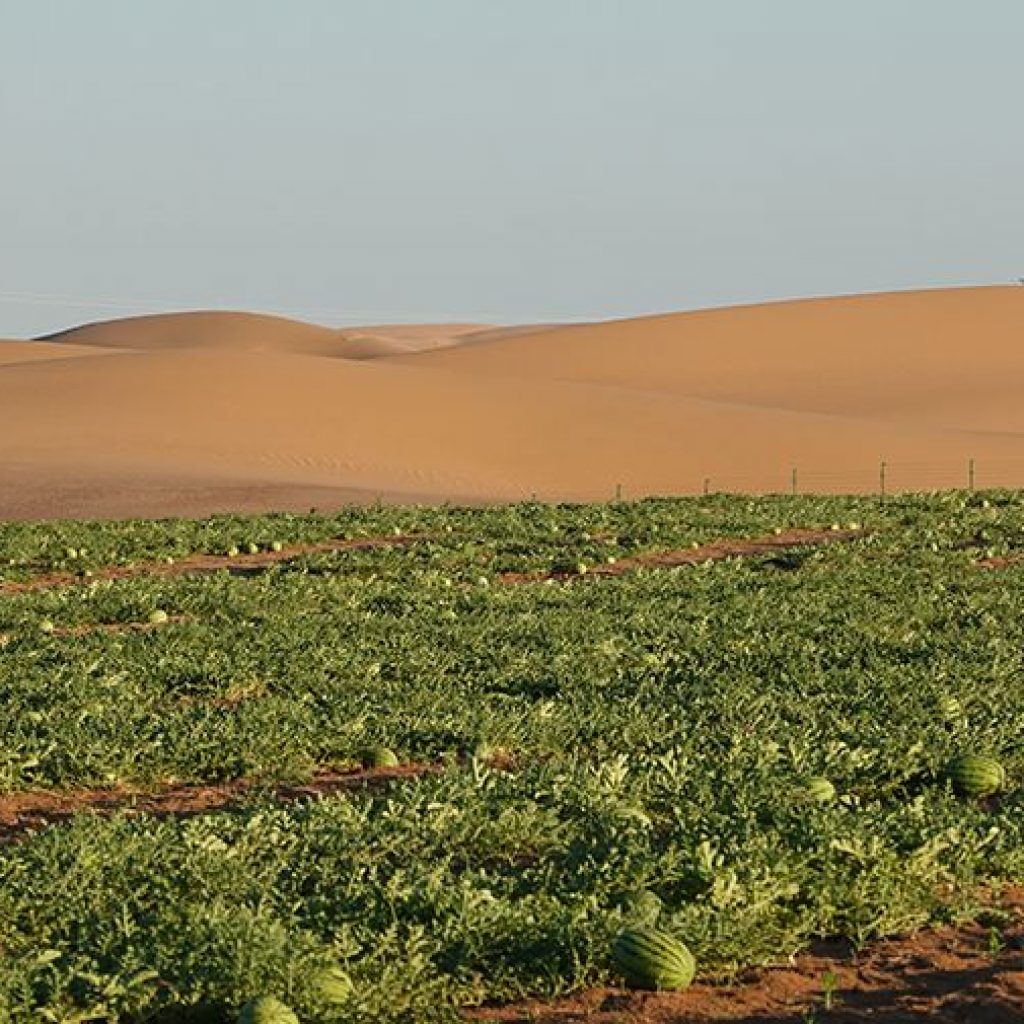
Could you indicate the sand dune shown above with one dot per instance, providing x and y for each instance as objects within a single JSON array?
[
  {"x": 258, "y": 332},
  {"x": 935, "y": 356},
  {"x": 197, "y": 412},
  {"x": 12, "y": 352}
]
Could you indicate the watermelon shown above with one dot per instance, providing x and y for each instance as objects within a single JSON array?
[
  {"x": 975, "y": 775},
  {"x": 491, "y": 754},
  {"x": 266, "y": 1010},
  {"x": 379, "y": 757},
  {"x": 158, "y": 617},
  {"x": 653, "y": 959},
  {"x": 335, "y": 985},
  {"x": 819, "y": 790},
  {"x": 950, "y": 708}
]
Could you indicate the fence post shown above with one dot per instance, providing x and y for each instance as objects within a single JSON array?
[
  {"x": 881, "y": 478},
  {"x": 970, "y": 474},
  {"x": 618, "y": 492},
  {"x": 707, "y": 486},
  {"x": 792, "y": 481}
]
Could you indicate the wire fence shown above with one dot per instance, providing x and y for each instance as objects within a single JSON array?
[{"x": 882, "y": 477}]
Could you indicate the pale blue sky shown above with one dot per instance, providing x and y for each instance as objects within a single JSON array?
[{"x": 354, "y": 160}]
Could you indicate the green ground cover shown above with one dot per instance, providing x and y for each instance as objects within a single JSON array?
[{"x": 660, "y": 727}]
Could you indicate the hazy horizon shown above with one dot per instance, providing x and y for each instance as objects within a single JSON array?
[{"x": 346, "y": 162}]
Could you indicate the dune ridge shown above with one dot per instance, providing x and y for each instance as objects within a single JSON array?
[
  {"x": 257, "y": 332},
  {"x": 196, "y": 412}
]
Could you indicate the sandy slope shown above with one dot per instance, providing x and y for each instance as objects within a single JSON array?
[
  {"x": 937, "y": 356},
  {"x": 257, "y": 332},
  {"x": 188, "y": 413},
  {"x": 30, "y": 352}
]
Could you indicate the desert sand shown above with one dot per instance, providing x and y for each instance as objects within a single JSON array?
[{"x": 191, "y": 413}]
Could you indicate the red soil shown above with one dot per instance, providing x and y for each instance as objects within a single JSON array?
[{"x": 946, "y": 975}]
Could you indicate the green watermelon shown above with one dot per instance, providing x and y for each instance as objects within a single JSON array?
[
  {"x": 950, "y": 708},
  {"x": 819, "y": 790},
  {"x": 975, "y": 775},
  {"x": 158, "y": 617},
  {"x": 652, "y": 959},
  {"x": 491, "y": 754},
  {"x": 335, "y": 985},
  {"x": 266, "y": 1010},
  {"x": 379, "y": 757}
]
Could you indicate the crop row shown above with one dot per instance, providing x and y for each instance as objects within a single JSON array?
[
  {"x": 663, "y": 725},
  {"x": 472, "y": 886}
]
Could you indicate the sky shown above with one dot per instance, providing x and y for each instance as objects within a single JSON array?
[{"x": 355, "y": 161}]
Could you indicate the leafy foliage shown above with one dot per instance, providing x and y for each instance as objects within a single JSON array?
[{"x": 659, "y": 727}]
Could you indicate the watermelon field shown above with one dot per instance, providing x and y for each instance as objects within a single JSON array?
[{"x": 735, "y": 720}]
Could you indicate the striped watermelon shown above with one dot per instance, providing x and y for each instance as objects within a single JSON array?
[
  {"x": 950, "y": 708},
  {"x": 652, "y": 959},
  {"x": 266, "y": 1010},
  {"x": 335, "y": 985},
  {"x": 819, "y": 790},
  {"x": 975, "y": 775},
  {"x": 379, "y": 757}
]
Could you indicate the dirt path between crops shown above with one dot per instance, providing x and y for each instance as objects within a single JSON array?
[
  {"x": 253, "y": 563},
  {"x": 196, "y": 564},
  {"x": 968, "y": 974},
  {"x": 22, "y": 813},
  {"x": 974, "y": 973},
  {"x": 713, "y": 552},
  {"x": 1000, "y": 561}
]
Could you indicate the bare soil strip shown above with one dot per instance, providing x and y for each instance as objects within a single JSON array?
[
  {"x": 204, "y": 563},
  {"x": 967, "y": 974},
  {"x": 245, "y": 563},
  {"x": 1000, "y": 561},
  {"x": 121, "y": 628},
  {"x": 971, "y": 973},
  {"x": 24, "y": 812},
  {"x": 713, "y": 552}
]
